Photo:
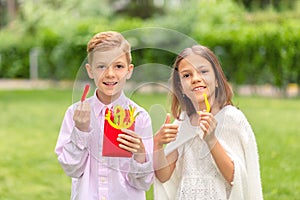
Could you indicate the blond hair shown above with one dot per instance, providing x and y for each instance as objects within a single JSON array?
[{"x": 108, "y": 40}]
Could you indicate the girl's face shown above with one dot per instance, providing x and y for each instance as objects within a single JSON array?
[
  {"x": 110, "y": 70},
  {"x": 197, "y": 77}
]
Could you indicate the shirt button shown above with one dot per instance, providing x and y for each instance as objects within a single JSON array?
[
  {"x": 102, "y": 179},
  {"x": 103, "y": 160}
]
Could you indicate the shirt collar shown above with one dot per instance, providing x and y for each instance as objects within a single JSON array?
[{"x": 98, "y": 106}]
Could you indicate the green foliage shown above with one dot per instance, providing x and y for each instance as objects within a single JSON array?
[
  {"x": 60, "y": 29},
  {"x": 264, "y": 4},
  {"x": 254, "y": 48},
  {"x": 252, "y": 51},
  {"x": 137, "y": 8}
]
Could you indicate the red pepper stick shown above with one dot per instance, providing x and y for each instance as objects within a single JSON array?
[{"x": 85, "y": 92}]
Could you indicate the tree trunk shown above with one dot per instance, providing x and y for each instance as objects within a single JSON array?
[{"x": 11, "y": 10}]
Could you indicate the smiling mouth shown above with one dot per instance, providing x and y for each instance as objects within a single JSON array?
[
  {"x": 199, "y": 88},
  {"x": 110, "y": 83}
]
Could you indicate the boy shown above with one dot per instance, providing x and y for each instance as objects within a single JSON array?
[{"x": 80, "y": 143}]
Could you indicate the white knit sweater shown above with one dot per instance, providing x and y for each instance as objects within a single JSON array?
[{"x": 196, "y": 175}]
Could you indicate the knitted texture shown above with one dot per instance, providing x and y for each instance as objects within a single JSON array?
[{"x": 196, "y": 175}]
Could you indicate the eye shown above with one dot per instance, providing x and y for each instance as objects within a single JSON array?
[
  {"x": 119, "y": 66},
  {"x": 204, "y": 71},
  {"x": 101, "y": 67},
  {"x": 185, "y": 75}
]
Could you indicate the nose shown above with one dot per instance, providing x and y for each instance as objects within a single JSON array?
[
  {"x": 109, "y": 72},
  {"x": 197, "y": 77}
]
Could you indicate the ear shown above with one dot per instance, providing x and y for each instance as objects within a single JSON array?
[
  {"x": 89, "y": 70},
  {"x": 130, "y": 70}
]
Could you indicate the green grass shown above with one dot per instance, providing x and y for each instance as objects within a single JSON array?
[{"x": 30, "y": 122}]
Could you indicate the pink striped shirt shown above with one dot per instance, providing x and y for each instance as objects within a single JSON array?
[{"x": 95, "y": 177}]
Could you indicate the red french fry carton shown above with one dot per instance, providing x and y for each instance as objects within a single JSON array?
[{"x": 115, "y": 120}]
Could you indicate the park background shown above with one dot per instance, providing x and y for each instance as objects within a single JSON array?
[{"x": 42, "y": 44}]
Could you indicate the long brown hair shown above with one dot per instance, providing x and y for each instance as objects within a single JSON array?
[{"x": 223, "y": 94}]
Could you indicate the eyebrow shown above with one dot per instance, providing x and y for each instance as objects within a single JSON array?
[
  {"x": 100, "y": 63},
  {"x": 119, "y": 62},
  {"x": 201, "y": 66},
  {"x": 197, "y": 68},
  {"x": 111, "y": 63},
  {"x": 184, "y": 71}
]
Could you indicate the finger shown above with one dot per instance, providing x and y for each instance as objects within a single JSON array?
[
  {"x": 129, "y": 138},
  {"x": 169, "y": 127},
  {"x": 79, "y": 106},
  {"x": 204, "y": 113},
  {"x": 129, "y": 143},
  {"x": 130, "y": 132},
  {"x": 133, "y": 150},
  {"x": 169, "y": 138},
  {"x": 207, "y": 123},
  {"x": 83, "y": 111},
  {"x": 211, "y": 121},
  {"x": 86, "y": 106},
  {"x": 169, "y": 131},
  {"x": 206, "y": 119},
  {"x": 204, "y": 129},
  {"x": 168, "y": 118},
  {"x": 83, "y": 106},
  {"x": 78, "y": 112}
]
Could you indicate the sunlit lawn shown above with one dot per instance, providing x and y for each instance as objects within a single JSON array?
[{"x": 30, "y": 122}]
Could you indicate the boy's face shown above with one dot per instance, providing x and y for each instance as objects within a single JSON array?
[{"x": 110, "y": 70}]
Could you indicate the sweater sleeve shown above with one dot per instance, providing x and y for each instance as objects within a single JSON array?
[
  {"x": 252, "y": 164},
  {"x": 238, "y": 140}
]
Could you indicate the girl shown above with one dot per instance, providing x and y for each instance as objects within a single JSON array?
[{"x": 211, "y": 151}]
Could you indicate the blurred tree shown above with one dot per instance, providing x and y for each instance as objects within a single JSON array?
[
  {"x": 2, "y": 13},
  {"x": 8, "y": 11},
  {"x": 48, "y": 11},
  {"x": 137, "y": 8},
  {"x": 12, "y": 10},
  {"x": 263, "y": 4},
  {"x": 57, "y": 27}
]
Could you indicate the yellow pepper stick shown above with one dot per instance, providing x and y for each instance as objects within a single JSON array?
[
  {"x": 206, "y": 103},
  {"x": 119, "y": 116},
  {"x": 107, "y": 117},
  {"x": 119, "y": 123}
]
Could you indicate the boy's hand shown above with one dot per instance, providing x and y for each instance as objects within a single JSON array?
[
  {"x": 208, "y": 124},
  {"x": 82, "y": 116},
  {"x": 132, "y": 143},
  {"x": 166, "y": 134}
]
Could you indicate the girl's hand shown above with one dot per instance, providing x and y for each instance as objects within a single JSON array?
[
  {"x": 208, "y": 124},
  {"x": 82, "y": 116},
  {"x": 133, "y": 143},
  {"x": 166, "y": 134}
]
